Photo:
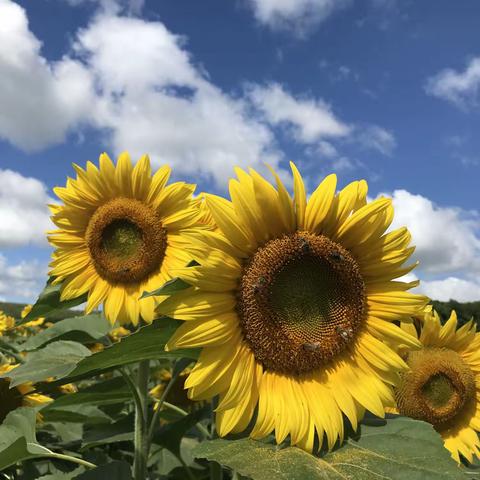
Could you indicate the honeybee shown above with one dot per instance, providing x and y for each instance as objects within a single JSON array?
[{"x": 311, "y": 347}]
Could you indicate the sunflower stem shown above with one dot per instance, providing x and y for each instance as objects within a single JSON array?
[
  {"x": 141, "y": 433},
  {"x": 175, "y": 374}
]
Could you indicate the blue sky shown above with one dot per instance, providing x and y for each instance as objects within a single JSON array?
[{"x": 383, "y": 90}]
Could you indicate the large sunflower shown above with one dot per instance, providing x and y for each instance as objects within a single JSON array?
[
  {"x": 119, "y": 232},
  {"x": 291, "y": 303},
  {"x": 20, "y": 396},
  {"x": 443, "y": 385}
]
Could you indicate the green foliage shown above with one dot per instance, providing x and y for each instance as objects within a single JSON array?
[
  {"x": 403, "y": 449},
  {"x": 465, "y": 311},
  {"x": 82, "y": 329},
  {"x": 146, "y": 344},
  {"x": 17, "y": 437},
  {"x": 57, "y": 359},
  {"x": 49, "y": 303}
]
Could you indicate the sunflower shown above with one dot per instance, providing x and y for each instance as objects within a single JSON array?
[
  {"x": 32, "y": 323},
  {"x": 291, "y": 304},
  {"x": 443, "y": 385},
  {"x": 6, "y": 322},
  {"x": 119, "y": 232},
  {"x": 18, "y": 396}
]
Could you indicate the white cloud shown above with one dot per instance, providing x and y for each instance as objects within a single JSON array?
[
  {"x": 377, "y": 138},
  {"x": 149, "y": 95},
  {"x": 447, "y": 239},
  {"x": 299, "y": 16},
  {"x": 158, "y": 101},
  {"x": 43, "y": 100},
  {"x": 451, "y": 288},
  {"x": 22, "y": 281},
  {"x": 23, "y": 211},
  {"x": 309, "y": 119},
  {"x": 459, "y": 88}
]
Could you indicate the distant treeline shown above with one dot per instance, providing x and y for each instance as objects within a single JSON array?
[{"x": 465, "y": 311}]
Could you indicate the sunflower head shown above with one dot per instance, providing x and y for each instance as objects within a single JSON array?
[
  {"x": 22, "y": 395},
  {"x": 119, "y": 233},
  {"x": 293, "y": 304},
  {"x": 6, "y": 322},
  {"x": 441, "y": 385}
]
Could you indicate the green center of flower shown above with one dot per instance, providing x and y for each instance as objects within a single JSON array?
[
  {"x": 126, "y": 240},
  {"x": 301, "y": 301},
  {"x": 122, "y": 239},
  {"x": 438, "y": 388},
  {"x": 10, "y": 399}
]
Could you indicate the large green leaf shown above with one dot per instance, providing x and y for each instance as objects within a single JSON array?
[
  {"x": 84, "y": 414},
  {"x": 17, "y": 438},
  {"x": 48, "y": 303},
  {"x": 83, "y": 329},
  {"x": 57, "y": 359},
  {"x": 120, "y": 431},
  {"x": 403, "y": 449},
  {"x": 146, "y": 344},
  {"x": 104, "y": 393}
]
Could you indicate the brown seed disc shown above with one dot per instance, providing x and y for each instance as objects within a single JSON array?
[
  {"x": 437, "y": 389},
  {"x": 301, "y": 301},
  {"x": 126, "y": 240},
  {"x": 10, "y": 398}
]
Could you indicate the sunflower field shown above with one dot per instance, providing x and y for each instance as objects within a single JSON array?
[{"x": 266, "y": 335}]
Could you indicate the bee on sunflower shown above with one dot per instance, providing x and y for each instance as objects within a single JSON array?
[
  {"x": 293, "y": 303},
  {"x": 442, "y": 386},
  {"x": 22, "y": 395},
  {"x": 119, "y": 233}
]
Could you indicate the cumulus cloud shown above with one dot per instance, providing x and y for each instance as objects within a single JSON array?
[
  {"x": 377, "y": 138},
  {"x": 23, "y": 210},
  {"x": 21, "y": 281},
  {"x": 299, "y": 16},
  {"x": 43, "y": 100},
  {"x": 447, "y": 239},
  {"x": 147, "y": 95},
  {"x": 460, "y": 88},
  {"x": 309, "y": 120},
  {"x": 451, "y": 288}
]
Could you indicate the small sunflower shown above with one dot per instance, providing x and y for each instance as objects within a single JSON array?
[
  {"x": 442, "y": 386},
  {"x": 119, "y": 233},
  {"x": 292, "y": 303},
  {"x": 6, "y": 322},
  {"x": 19, "y": 396}
]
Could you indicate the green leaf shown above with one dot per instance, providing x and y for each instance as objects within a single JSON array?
[
  {"x": 171, "y": 434},
  {"x": 17, "y": 438},
  {"x": 83, "y": 329},
  {"x": 57, "y": 359},
  {"x": 105, "y": 393},
  {"x": 168, "y": 288},
  {"x": 119, "y": 431},
  {"x": 146, "y": 344},
  {"x": 117, "y": 470},
  {"x": 403, "y": 449},
  {"x": 48, "y": 303},
  {"x": 84, "y": 414}
]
